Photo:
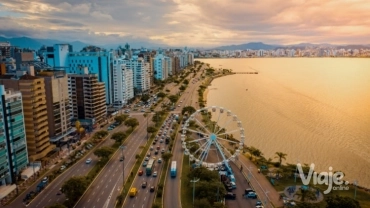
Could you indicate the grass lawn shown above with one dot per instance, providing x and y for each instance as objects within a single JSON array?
[
  {"x": 361, "y": 195},
  {"x": 186, "y": 189}
]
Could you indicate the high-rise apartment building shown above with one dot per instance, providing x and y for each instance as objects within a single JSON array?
[
  {"x": 162, "y": 66},
  {"x": 141, "y": 73},
  {"x": 87, "y": 98},
  {"x": 57, "y": 103},
  {"x": 96, "y": 60},
  {"x": 35, "y": 113},
  {"x": 123, "y": 83},
  {"x": 13, "y": 145}
]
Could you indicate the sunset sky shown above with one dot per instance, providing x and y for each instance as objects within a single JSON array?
[{"x": 189, "y": 22}]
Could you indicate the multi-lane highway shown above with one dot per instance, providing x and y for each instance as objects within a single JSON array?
[
  {"x": 108, "y": 184},
  {"x": 172, "y": 190},
  {"x": 49, "y": 195},
  {"x": 145, "y": 198}
]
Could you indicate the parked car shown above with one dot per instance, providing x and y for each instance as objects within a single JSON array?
[{"x": 230, "y": 195}]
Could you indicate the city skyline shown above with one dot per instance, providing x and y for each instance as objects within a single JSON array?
[{"x": 193, "y": 23}]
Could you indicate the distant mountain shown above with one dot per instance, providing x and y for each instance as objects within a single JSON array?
[
  {"x": 260, "y": 45},
  {"x": 252, "y": 45},
  {"x": 25, "y": 42}
]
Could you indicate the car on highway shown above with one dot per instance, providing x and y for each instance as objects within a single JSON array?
[
  {"x": 159, "y": 160},
  {"x": 158, "y": 147},
  {"x": 152, "y": 188},
  {"x": 162, "y": 151},
  {"x": 121, "y": 159},
  {"x": 144, "y": 184},
  {"x": 155, "y": 174},
  {"x": 148, "y": 155},
  {"x": 252, "y": 195},
  {"x": 88, "y": 161},
  {"x": 133, "y": 192},
  {"x": 146, "y": 159},
  {"x": 145, "y": 163},
  {"x": 45, "y": 179},
  {"x": 140, "y": 173},
  {"x": 156, "y": 152}
]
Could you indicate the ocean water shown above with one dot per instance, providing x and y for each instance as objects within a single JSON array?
[{"x": 317, "y": 110}]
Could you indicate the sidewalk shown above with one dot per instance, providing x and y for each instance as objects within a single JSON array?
[{"x": 260, "y": 183}]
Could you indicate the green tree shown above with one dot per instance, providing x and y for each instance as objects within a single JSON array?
[
  {"x": 203, "y": 174},
  {"x": 57, "y": 205},
  {"x": 189, "y": 109},
  {"x": 74, "y": 187},
  {"x": 161, "y": 94},
  {"x": 341, "y": 202},
  {"x": 119, "y": 136},
  {"x": 281, "y": 156},
  {"x": 182, "y": 88},
  {"x": 121, "y": 118},
  {"x": 186, "y": 82},
  {"x": 131, "y": 122},
  {"x": 100, "y": 134},
  {"x": 104, "y": 152},
  {"x": 145, "y": 98},
  {"x": 307, "y": 205},
  {"x": 202, "y": 203},
  {"x": 166, "y": 156},
  {"x": 173, "y": 98},
  {"x": 151, "y": 129},
  {"x": 120, "y": 199},
  {"x": 306, "y": 194},
  {"x": 255, "y": 152}
]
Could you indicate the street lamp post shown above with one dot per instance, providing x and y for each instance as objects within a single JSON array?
[
  {"x": 194, "y": 181},
  {"x": 355, "y": 183},
  {"x": 123, "y": 168}
]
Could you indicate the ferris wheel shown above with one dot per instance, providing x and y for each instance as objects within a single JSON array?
[{"x": 209, "y": 133}]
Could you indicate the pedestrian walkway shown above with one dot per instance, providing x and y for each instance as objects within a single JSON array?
[{"x": 259, "y": 182}]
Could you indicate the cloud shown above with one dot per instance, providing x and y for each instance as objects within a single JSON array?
[{"x": 190, "y": 22}]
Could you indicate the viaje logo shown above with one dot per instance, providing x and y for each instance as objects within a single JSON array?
[{"x": 327, "y": 178}]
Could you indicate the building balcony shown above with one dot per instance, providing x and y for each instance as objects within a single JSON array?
[
  {"x": 3, "y": 152},
  {"x": 19, "y": 144}
]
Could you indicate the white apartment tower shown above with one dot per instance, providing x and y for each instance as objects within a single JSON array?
[{"x": 123, "y": 83}]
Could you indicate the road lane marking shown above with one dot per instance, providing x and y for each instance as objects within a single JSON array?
[
  {"x": 98, "y": 200},
  {"x": 88, "y": 201},
  {"x": 93, "y": 193}
]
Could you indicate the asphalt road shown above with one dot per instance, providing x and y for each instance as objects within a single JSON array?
[
  {"x": 172, "y": 197},
  {"x": 107, "y": 185},
  {"x": 145, "y": 198},
  {"x": 49, "y": 195},
  {"x": 241, "y": 185}
]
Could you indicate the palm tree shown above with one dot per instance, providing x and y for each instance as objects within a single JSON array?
[{"x": 281, "y": 156}]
